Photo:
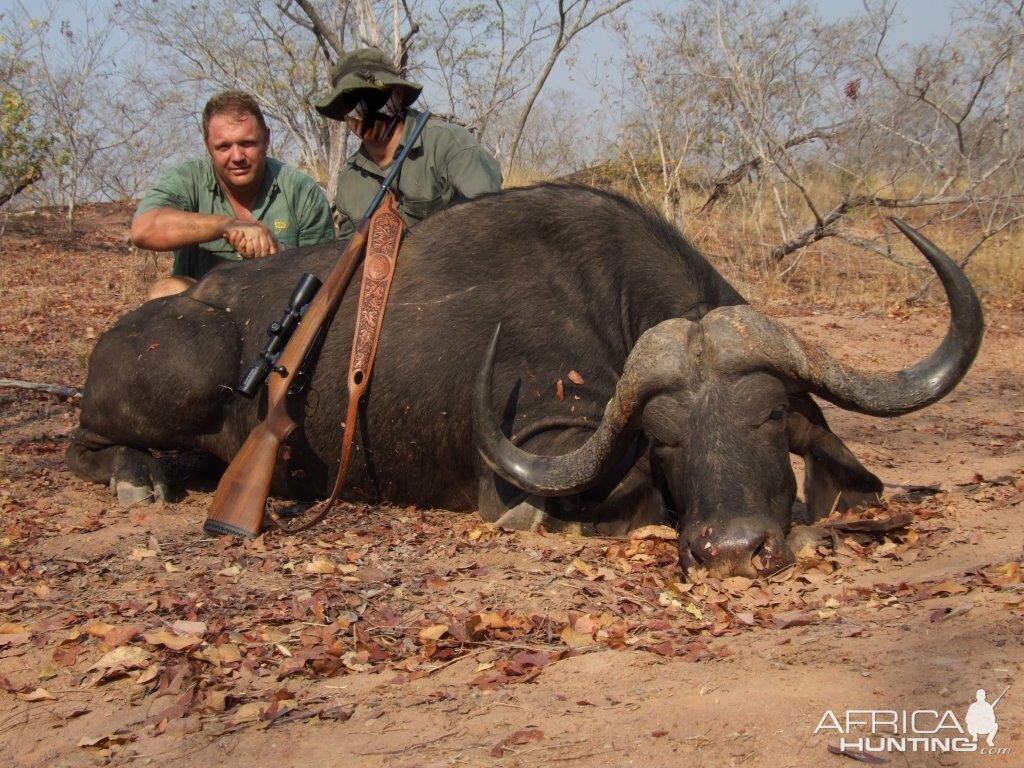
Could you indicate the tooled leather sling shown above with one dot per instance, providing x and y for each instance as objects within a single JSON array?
[{"x": 382, "y": 243}]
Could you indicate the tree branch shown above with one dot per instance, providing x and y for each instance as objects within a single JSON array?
[
  {"x": 27, "y": 179},
  {"x": 722, "y": 184},
  {"x": 325, "y": 36},
  {"x": 64, "y": 393},
  {"x": 825, "y": 227}
]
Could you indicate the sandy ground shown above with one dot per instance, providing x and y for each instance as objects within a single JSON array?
[{"x": 407, "y": 637}]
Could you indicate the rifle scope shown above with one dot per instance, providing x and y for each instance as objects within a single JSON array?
[{"x": 279, "y": 332}]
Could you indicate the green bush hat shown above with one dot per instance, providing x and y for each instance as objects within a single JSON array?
[{"x": 361, "y": 70}]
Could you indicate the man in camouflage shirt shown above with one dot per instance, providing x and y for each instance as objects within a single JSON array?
[
  {"x": 236, "y": 203},
  {"x": 446, "y": 163}
]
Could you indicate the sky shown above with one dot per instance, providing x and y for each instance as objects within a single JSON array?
[{"x": 917, "y": 21}]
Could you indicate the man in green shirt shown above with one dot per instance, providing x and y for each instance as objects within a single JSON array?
[
  {"x": 446, "y": 163},
  {"x": 236, "y": 203}
]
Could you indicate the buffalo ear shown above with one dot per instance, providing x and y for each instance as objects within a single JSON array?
[{"x": 833, "y": 478}]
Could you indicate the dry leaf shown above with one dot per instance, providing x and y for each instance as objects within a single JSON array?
[
  {"x": 98, "y": 629},
  {"x": 140, "y": 553},
  {"x": 197, "y": 628},
  {"x": 575, "y": 378},
  {"x": 171, "y": 640},
  {"x": 575, "y": 639},
  {"x": 796, "y": 619},
  {"x": 947, "y": 588},
  {"x": 228, "y": 653},
  {"x": 147, "y": 675},
  {"x": 247, "y": 713},
  {"x": 122, "y": 659},
  {"x": 662, "y": 532},
  {"x": 320, "y": 565},
  {"x": 860, "y": 757},
  {"x": 39, "y": 694},
  {"x": 433, "y": 633}
]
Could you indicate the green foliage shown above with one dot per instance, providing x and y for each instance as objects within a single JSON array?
[{"x": 22, "y": 146}]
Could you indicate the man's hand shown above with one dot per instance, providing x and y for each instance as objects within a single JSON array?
[
  {"x": 251, "y": 239},
  {"x": 166, "y": 229}
]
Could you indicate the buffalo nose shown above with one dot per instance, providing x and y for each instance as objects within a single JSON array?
[{"x": 743, "y": 547}]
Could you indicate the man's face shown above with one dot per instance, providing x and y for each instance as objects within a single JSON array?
[{"x": 238, "y": 149}]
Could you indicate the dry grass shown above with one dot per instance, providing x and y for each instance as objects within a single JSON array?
[{"x": 739, "y": 233}]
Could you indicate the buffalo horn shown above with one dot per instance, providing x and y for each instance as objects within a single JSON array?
[
  {"x": 743, "y": 339},
  {"x": 653, "y": 366}
]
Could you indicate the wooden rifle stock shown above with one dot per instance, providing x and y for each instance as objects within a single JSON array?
[{"x": 241, "y": 496}]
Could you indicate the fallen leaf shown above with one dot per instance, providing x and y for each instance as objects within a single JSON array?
[
  {"x": 559, "y": 390},
  {"x": 120, "y": 635},
  {"x": 39, "y": 694},
  {"x": 148, "y": 675},
  {"x": 197, "y": 628},
  {"x": 228, "y": 653},
  {"x": 872, "y": 525},
  {"x": 796, "y": 619},
  {"x": 98, "y": 629},
  {"x": 247, "y": 713},
  {"x": 662, "y": 532},
  {"x": 320, "y": 565},
  {"x": 122, "y": 659},
  {"x": 860, "y": 757},
  {"x": 170, "y": 640},
  {"x": 479, "y": 623},
  {"x": 947, "y": 588},
  {"x": 341, "y": 713},
  {"x": 518, "y": 738},
  {"x": 575, "y": 378},
  {"x": 433, "y": 633},
  {"x": 575, "y": 639}
]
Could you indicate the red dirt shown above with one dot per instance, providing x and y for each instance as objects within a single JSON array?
[{"x": 413, "y": 638}]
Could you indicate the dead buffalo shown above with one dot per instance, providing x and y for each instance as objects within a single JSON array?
[{"x": 684, "y": 404}]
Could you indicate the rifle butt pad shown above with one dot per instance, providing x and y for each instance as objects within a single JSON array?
[{"x": 241, "y": 496}]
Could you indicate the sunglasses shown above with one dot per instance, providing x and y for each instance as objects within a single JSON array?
[{"x": 367, "y": 108}]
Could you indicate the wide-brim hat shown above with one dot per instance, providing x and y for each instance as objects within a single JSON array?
[{"x": 362, "y": 70}]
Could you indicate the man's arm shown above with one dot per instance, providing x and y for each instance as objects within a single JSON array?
[{"x": 167, "y": 229}]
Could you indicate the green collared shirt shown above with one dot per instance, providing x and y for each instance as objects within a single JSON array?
[
  {"x": 445, "y": 164},
  {"x": 290, "y": 203}
]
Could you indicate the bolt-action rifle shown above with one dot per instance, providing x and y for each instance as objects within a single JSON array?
[{"x": 241, "y": 497}]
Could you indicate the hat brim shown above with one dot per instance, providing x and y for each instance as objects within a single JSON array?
[{"x": 338, "y": 102}]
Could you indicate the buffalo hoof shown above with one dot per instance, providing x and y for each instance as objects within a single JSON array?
[
  {"x": 524, "y": 516},
  {"x": 137, "y": 478}
]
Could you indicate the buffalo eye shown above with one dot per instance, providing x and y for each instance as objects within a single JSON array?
[{"x": 777, "y": 414}]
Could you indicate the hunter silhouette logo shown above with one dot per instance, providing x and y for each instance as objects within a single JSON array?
[{"x": 981, "y": 717}]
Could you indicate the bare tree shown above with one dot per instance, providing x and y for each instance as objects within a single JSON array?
[
  {"x": 90, "y": 101},
  {"x": 491, "y": 60},
  {"x": 813, "y": 121},
  {"x": 949, "y": 116}
]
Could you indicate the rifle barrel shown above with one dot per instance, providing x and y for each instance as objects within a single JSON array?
[
  {"x": 1000, "y": 696},
  {"x": 396, "y": 164}
]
